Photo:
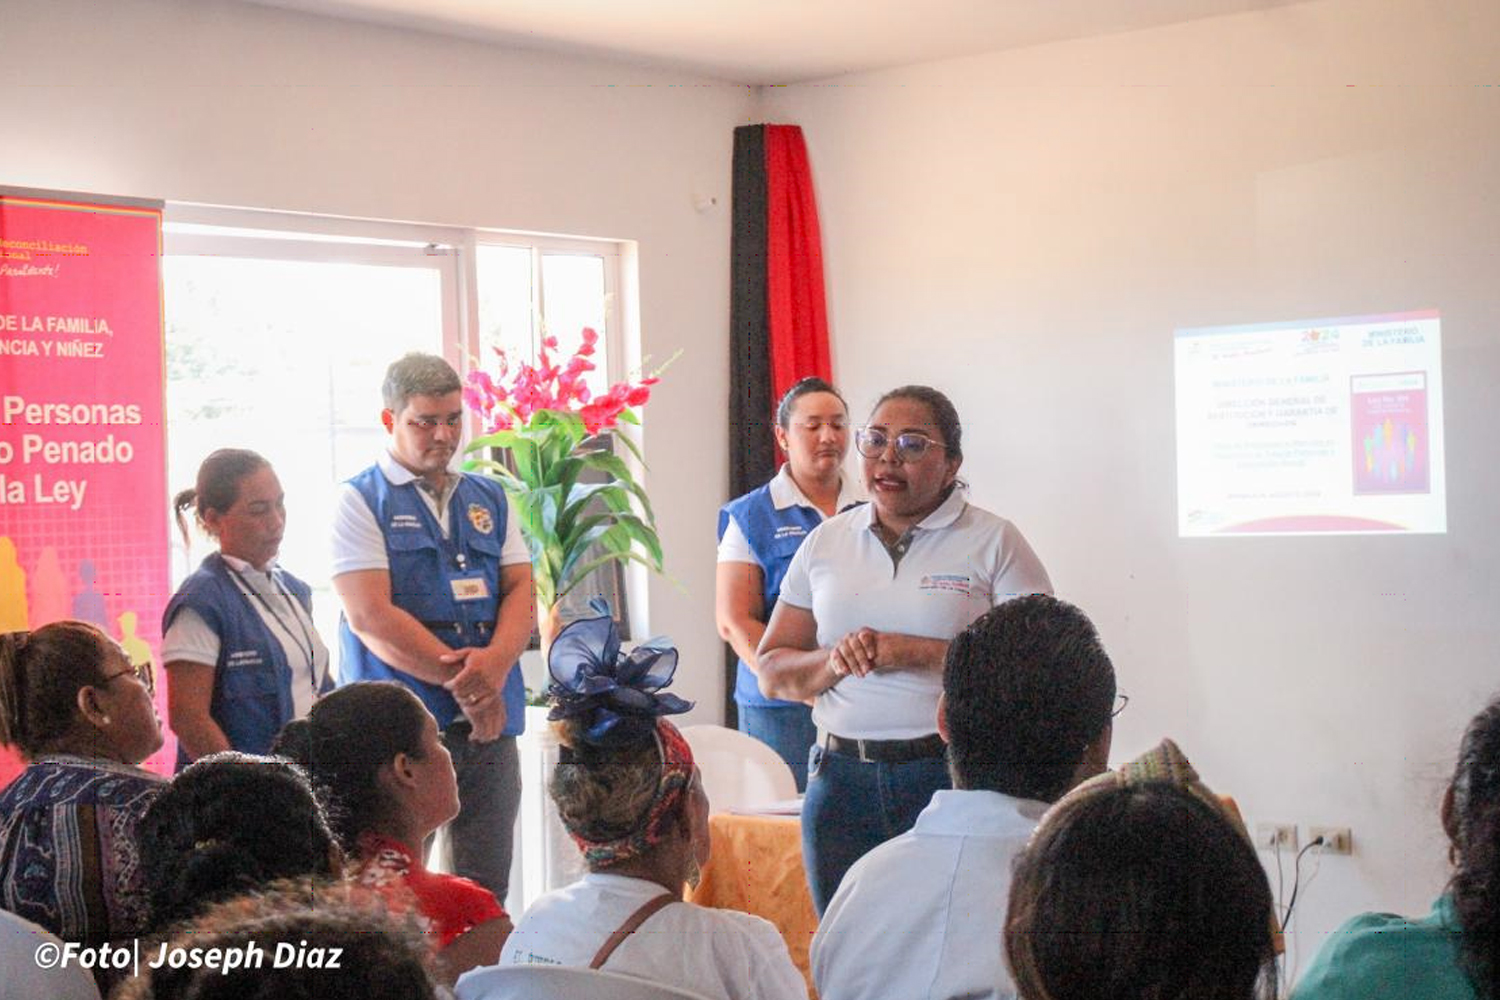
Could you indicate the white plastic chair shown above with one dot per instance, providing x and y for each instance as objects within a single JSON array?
[
  {"x": 561, "y": 982},
  {"x": 739, "y": 771},
  {"x": 24, "y": 979}
]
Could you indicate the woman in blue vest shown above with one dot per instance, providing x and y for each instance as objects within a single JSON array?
[
  {"x": 758, "y": 535},
  {"x": 238, "y": 638}
]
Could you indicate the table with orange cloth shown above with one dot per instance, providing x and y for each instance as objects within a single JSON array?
[{"x": 756, "y": 867}]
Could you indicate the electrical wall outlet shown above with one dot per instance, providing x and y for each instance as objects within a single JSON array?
[
  {"x": 1274, "y": 836},
  {"x": 1336, "y": 839}
]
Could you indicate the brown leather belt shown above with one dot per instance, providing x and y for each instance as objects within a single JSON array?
[{"x": 888, "y": 751}]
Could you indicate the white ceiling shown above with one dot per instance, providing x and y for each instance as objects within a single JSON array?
[{"x": 762, "y": 42}]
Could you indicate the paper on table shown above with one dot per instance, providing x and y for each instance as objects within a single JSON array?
[{"x": 786, "y": 807}]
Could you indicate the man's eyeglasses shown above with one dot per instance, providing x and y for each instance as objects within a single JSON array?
[
  {"x": 144, "y": 672},
  {"x": 910, "y": 445},
  {"x": 1121, "y": 700},
  {"x": 453, "y": 422}
]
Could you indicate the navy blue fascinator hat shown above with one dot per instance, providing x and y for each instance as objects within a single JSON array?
[{"x": 616, "y": 697}]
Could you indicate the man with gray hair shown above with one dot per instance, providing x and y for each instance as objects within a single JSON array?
[{"x": 435, "y": 579}]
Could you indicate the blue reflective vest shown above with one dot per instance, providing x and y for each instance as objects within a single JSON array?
[
  {"x": 774, "y": 537},
  {"x": 424, "y": 567},
  {"x": 252, "y": 695}
]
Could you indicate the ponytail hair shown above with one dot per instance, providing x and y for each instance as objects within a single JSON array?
[
  {"x": 218, "y": 485},
  {"x": 348, "y": 737},
  {"x": 1473, "y": 823}
]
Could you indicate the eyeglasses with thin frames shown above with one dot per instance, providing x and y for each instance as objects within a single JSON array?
[
  {"x": 144, "y": 672},
  {"x": 429, "y": 424},
  {"x": 910, "y": 445},
  {"x": 1121, "y": 700}
]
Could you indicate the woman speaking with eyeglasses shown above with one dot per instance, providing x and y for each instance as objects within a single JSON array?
[
  {"x": 866, "y": 612},
  {"x": 238, "y": 638}
]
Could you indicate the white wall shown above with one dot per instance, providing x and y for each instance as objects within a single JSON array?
[
  {"x": 232, "y": 104},
  {"x": 1026, "y": 229}
]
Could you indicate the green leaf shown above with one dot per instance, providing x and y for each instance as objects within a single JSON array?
[
  {"x": 625, "y": 440},
  {"x": 615, "y": 466},
  {"x": 640, "y": 532},
  {"x": 497, "y": 439},
  {"x": 493, "y": 469},
  {"x": 579, "y": 545},
  {"x": 583, "y": 572}
]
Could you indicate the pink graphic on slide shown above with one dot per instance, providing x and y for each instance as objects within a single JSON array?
[{"x": 1389, "y": 418}]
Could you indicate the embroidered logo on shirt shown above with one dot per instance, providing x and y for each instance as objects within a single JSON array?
[
  {"x": 405, "y": 522},
  {"x": 952, "y": 583},
  {"x": 790, "y": 531},
  {"x": 479, "y": 517}
]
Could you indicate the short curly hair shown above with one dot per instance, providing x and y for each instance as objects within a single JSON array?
[
  {"x": 378, "y": 955},
  {"x": 230, "y": 823}
]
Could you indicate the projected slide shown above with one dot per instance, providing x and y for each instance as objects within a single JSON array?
[{"x": 1329, "y": 426}]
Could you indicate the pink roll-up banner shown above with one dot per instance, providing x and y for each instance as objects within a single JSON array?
[{"x": 83, "y": 496}]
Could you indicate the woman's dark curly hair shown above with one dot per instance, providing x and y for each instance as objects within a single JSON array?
[
  {"x": 1140, "y": 892},
  {"x": 378, "y": 954},
  {"x": 229, "y": 824},
  {"x": 1472, "y": 818},
  {"x": 346, "y": 739}
]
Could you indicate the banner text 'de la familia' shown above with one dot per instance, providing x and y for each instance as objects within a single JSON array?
[{"x": 82, "y": 451}]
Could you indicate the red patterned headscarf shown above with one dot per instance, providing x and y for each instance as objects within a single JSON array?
[{"x": 615, "y": 701}]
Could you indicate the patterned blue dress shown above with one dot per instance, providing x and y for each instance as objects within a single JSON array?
[{"x": 68, "y": 856}]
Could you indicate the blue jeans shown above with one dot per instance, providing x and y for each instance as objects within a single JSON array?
[
  {"x": 853, "y": 807},
  {"x": 787, "y": 729}
]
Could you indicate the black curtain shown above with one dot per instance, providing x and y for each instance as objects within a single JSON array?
[{"x": 752, "y": 446}]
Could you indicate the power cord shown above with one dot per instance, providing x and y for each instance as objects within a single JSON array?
[{"x": 1291, "y": 904}]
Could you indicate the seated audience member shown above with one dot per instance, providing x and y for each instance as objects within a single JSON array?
[
  {"x": 628, "y": 792},
  {"x": 82, "y": 717},
  {"x": 387, "y": 787},
  {"x": 1025, "y": 711},
  {"x": 1454, "y": 951},
  {"x": 25, "y": 977},
  {"x": 1140, "y": 891},
  {"x": 230, "y": 824},
  {"x": 315, "y": 943}
]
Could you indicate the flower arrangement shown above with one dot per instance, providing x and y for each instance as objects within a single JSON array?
[{"x": 548, "y": 420}]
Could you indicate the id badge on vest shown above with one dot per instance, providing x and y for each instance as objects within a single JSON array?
[{"x": 469, "y": 588}]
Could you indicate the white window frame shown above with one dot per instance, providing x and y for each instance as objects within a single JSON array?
[{"x": 613, "y": 253}]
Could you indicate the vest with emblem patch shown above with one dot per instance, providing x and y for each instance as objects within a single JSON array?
[
  {"x": 428, "y": 572},
  {"x": 774, "y": 537}
]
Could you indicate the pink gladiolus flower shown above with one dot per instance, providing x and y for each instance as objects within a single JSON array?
[
  {"x": 638, "y": 396},
  {"x": 475, "y": 400}
]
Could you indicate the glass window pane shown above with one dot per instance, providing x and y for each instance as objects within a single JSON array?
[
  {"x": 573, "y": 298},
  {"x": 506, "y": 303},
  {"x": 286, "y": 358}
]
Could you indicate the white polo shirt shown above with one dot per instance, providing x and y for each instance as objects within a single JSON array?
[
  {"x": 956, "y": 564},
  {"x": 735, "y": 547},
  {"x": 722, "y": 954},
  {"x": 941, "y": 890}
]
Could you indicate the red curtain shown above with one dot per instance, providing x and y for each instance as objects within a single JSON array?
[{"x": 795, "y": 310}]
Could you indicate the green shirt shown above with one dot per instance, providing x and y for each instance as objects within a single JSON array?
[{"x": 1379, "y": 955}]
